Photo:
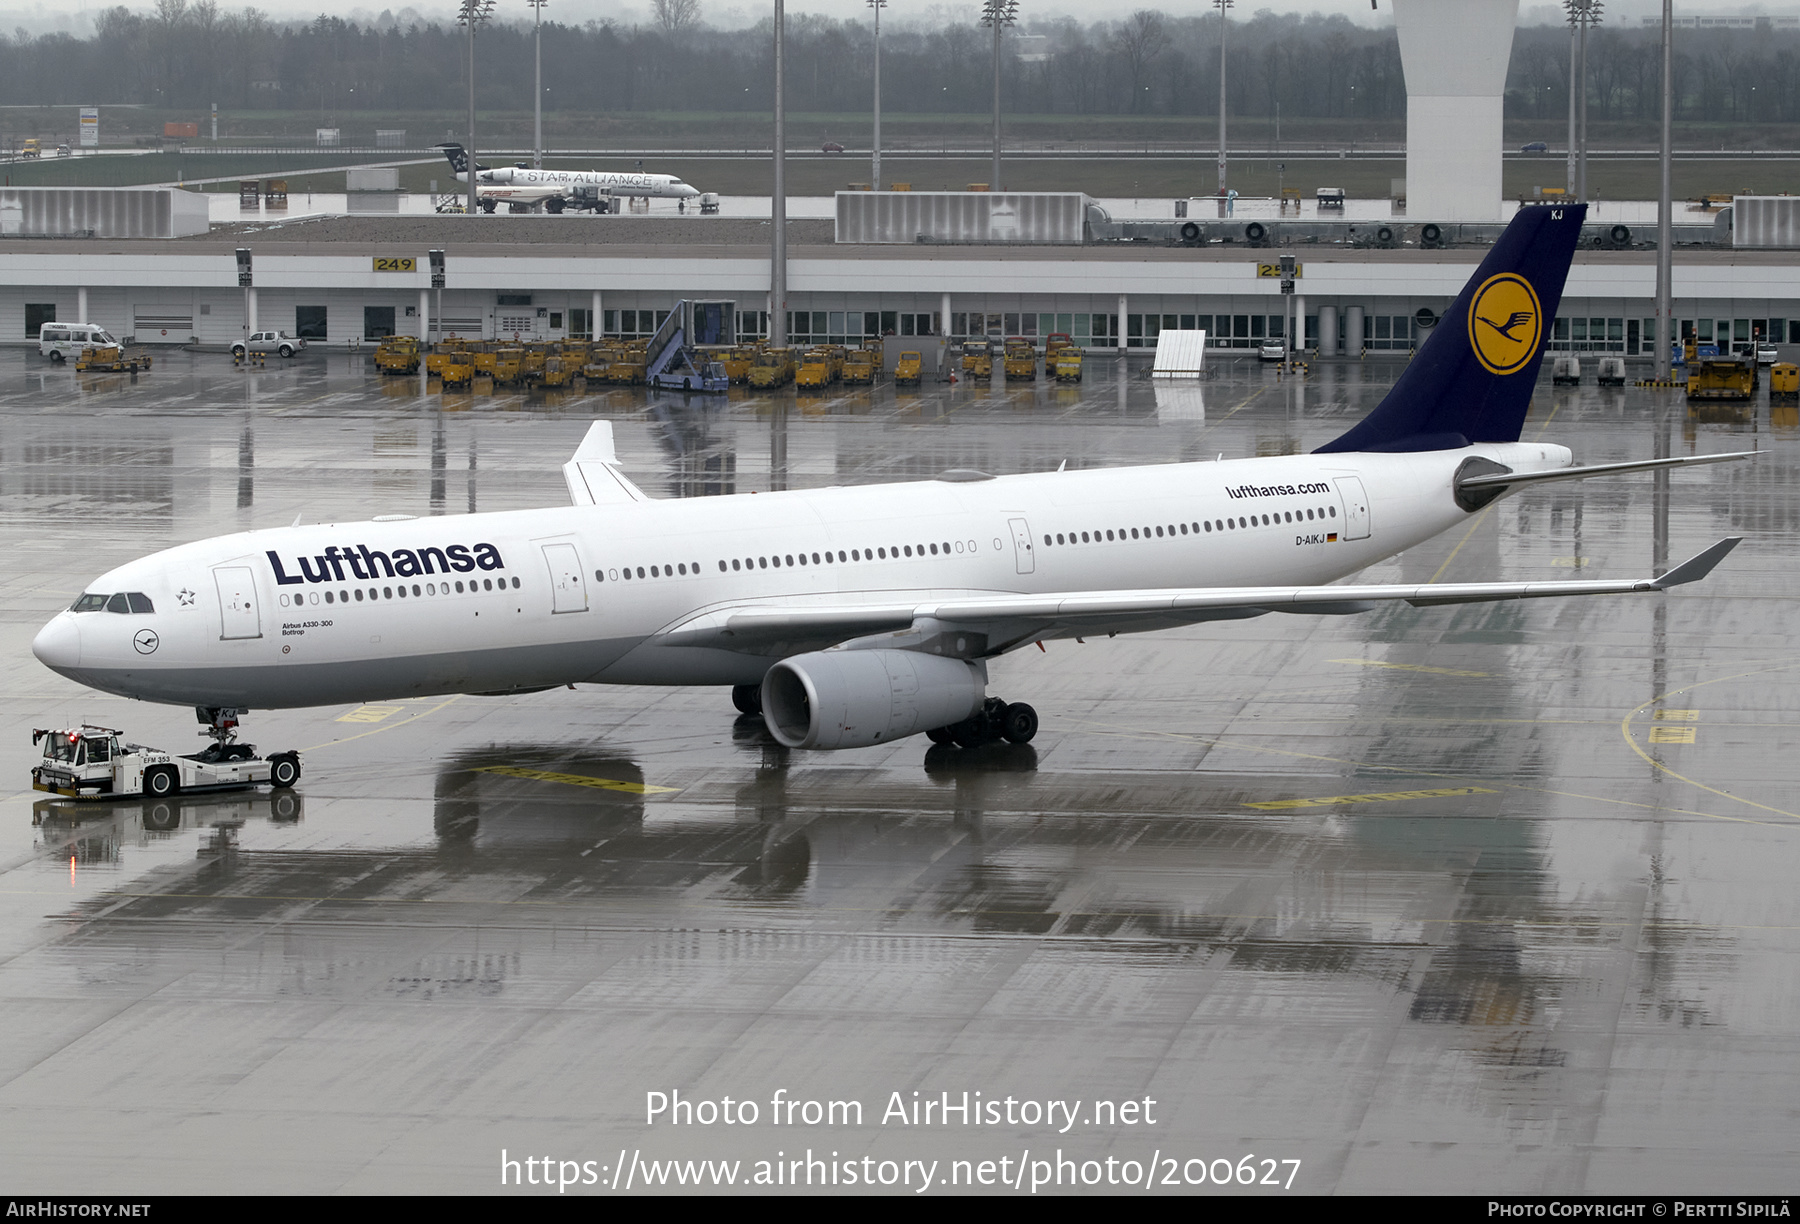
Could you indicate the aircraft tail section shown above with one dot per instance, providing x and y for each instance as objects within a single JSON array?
[
  {"x": 1473, "y": 378},
  {"x": 458, "y": 157}
]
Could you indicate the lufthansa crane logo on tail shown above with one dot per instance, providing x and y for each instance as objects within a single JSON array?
[{"x": 1505, "y": 323}]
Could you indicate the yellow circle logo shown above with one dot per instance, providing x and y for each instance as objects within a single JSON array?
[{"x": 1505, "y": 323}]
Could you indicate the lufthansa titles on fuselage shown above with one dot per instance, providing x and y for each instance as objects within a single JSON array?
[{"x": 366, "y": 563}]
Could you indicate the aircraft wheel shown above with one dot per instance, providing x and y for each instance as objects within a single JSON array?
[
  {"x": 162, "y": 782},
  {"x": 284, "y": 771},
  {"x": 940, "y": 735},
  {"x": 747, "y": 698},
  {"x": 1019, "y": 723},
  {"x": 971, "y": 732}
]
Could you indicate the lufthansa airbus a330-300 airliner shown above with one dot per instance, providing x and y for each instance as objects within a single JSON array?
[{"x": 855, "y": 616}]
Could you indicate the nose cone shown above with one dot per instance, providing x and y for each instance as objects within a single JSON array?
[
  {"x": 58, "y": 644},
  {"x": 690, "y": 192}
]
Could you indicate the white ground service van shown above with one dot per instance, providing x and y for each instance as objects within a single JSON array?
[
  {"x": 90, "y": 762},
  {"x": 62, "y": 341}
]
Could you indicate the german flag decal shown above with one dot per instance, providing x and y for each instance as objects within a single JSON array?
[{"x": 1331, "y": 537}]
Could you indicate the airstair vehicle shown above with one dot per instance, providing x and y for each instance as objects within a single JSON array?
[{"x": 674, "y": 360}]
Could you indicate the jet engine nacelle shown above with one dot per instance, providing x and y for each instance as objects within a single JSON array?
[{"x": 855, "y": 698}]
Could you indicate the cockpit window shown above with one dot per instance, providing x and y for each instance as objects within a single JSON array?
[
  {"x": 89, "y": 603},
  {"x": 140, "y": 602},
  {"x": 118, "y": 603}
]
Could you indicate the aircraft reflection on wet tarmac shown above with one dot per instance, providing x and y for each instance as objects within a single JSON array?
[{"x": 1161, "y": 870}]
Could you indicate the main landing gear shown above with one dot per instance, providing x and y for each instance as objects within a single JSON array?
[{"x": 1014, "y": 722}]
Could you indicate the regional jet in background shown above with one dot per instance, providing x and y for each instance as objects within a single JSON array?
[
  {"x": 855, "y": 616},
  {"x": 557, "y": 190}
]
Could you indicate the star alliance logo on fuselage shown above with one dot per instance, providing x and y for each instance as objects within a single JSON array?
[{"x": 1505, "y": 323}]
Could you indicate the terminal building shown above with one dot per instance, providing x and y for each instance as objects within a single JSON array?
[{"x": 1117, "y": 297}]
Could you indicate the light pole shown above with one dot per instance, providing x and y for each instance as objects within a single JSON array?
[
  {"x": 1665, "y": 270},
  {"x": 778, "y": 330},
  {"x": 1582, "y": 14},
  {"x": 471, "y": 14},
  {"x": 537, "y": 30},
  {"x": 875, "y": 161},
  {"x": 999, "y": 14},
  {"x": 1222, "y": 5}
]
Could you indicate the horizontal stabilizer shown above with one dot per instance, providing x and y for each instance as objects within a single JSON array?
[
  {"x": 1510, "y": 479},
  {"x": 593, "y": 475},
  {"x": 1698, "y": 566}
]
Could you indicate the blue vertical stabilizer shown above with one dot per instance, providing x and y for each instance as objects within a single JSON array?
[{"x": 1472, "y": 380}]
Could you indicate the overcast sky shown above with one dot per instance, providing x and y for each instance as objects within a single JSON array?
[{"x": 77, "y": 18}]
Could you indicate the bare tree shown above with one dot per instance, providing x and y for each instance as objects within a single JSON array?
[
  {"x": 677, "y": 16},
  {"x": 1140, "y": 39}
]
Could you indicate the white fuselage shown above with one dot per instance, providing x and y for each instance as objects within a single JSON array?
[
  {"x": 563, "y": 182},
  {"x": 518, "y": 600}
]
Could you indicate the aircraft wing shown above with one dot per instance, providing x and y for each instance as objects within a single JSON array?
[
  {"x": 594, "y": 476},
  {"x": 1004, "y": 622}
]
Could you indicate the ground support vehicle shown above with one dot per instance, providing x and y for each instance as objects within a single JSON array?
[
  {"x": 1611, "y": 372},
  {"x": 277, "y": 342},
  {"x": 397, "y": 355},
  {"x": 815, "y": 369},
  {"x": 1784, "y": 381},
  {"x": 1566, "y": 372},
  {"x": 113, "y": 360},
  {"x": 560, "y": 370},
  {"x": 439, "y": 357},
  {"x": 738, "y": 362},
  {"x": 31, "y": 148},
  {"x": 909, "y": 369},
  {"x": 459, "y": 368},
  {"x": 690, "y": 370},
  {"x": 977, "y": 359},
  {"x": 1721, "y": 378},
  {"x": 1020, "y": 359},
  {"x": 60, "y": 341},
  {"x": 505, "y": 365},
  {"x": 1062, "y": 358},
  {"x": 859, "y": 367},
  {"x": 774, "y": 367},
  {"x": 629, "y": 364},
  {"x": 90, "y": 762}
]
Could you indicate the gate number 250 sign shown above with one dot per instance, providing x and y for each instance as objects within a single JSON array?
[{"x": 384, "y": 264}]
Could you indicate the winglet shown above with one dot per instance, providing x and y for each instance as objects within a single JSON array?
[
  {"x": 1697, "y": 566},
  {"x": 593, "y": 474}
]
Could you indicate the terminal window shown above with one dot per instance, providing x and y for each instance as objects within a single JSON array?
[
  {"x": 309, "y": 322},
  {"x": 36, "y": 315}
]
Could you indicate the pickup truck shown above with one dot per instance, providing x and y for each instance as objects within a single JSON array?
[{"x": 277, "y": 342}]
